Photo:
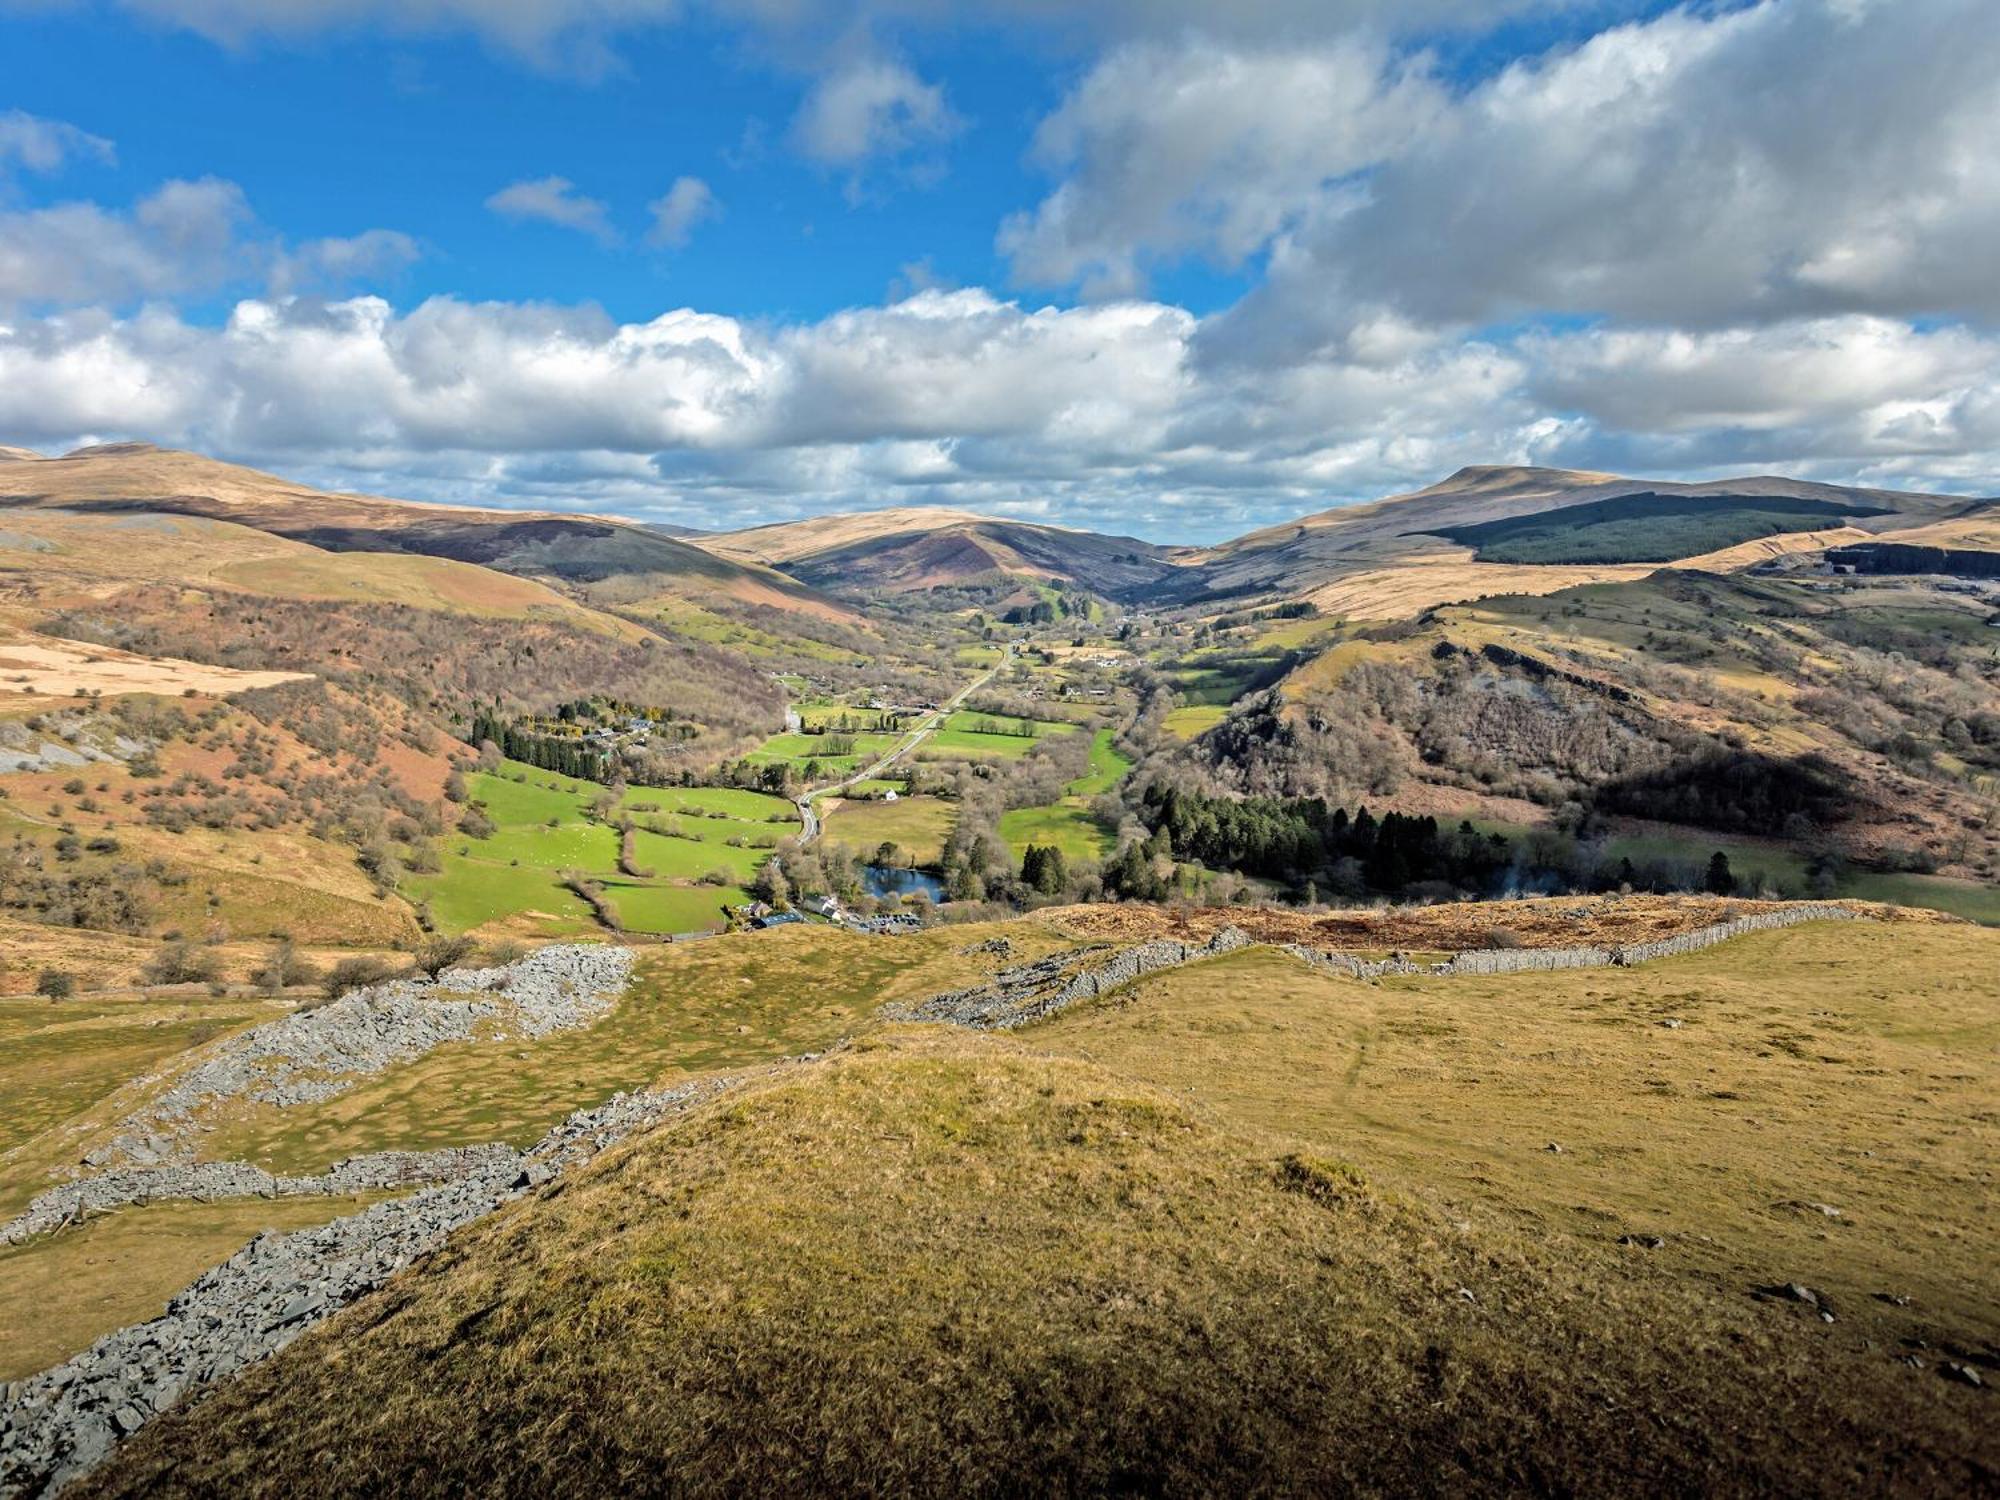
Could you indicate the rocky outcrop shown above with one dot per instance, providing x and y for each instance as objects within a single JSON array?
[
  {"x": 315, "y": 1055},
  {"x": 1030, "y": 992},
  {"x": 213, "y": 1181},
  {"x": 58, "y": 1425}
]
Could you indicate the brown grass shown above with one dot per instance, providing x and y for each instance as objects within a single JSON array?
[
  {"x": 57, "y": 1296},
  {"x": 1851, "y": 1067},
  {"x": 945, "y": 1265},
  {"x": 1539, "y": 922},
  {"x": 62, "y": 669}
]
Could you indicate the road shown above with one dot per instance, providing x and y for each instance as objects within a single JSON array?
[{"x": 810, "y": 817}]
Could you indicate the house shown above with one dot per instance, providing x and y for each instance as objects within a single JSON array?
[
  {"x": 777, "y": 919},
  {"x": 827, "y": 906},
  {"x": 889, "y": 795}
]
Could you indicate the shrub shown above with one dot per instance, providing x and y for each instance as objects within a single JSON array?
[
  {"x": 437, "y": 953},
  {"x": 356, "y": 973},
  {"x": 55, "y": 984},
  {"x": 285, "y": 968},
  {"x": 181, "y": 963}
]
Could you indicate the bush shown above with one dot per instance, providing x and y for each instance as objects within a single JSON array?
[
  {"x": 356, "y": 973},
  {"x": 55, "y": 984},
  {"x": 181, "y": 963},
  {"x": 285, "y": 969},
  {"x": 436, "y": 954}
]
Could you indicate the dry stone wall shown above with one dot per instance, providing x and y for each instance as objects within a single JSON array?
[
  {"x": 60, "y": 1424},
  {"x": 214, "y": 1181},
  {"x": 1543, "y": 960},
  {"x": 1031, "y": 992},
  {"x": 315, "y": 1055}
]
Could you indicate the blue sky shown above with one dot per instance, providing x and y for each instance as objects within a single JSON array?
[{"x": 1183, "y": 270}]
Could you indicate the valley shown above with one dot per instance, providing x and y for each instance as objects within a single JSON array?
[{"x": 1542, "y": 923}]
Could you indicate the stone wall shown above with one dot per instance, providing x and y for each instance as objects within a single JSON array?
[
  {"x": 315, "y": 1055},
  {"x": 1542, "y": 960},
  {"x": 213, "y": 1181},
  {"x": 1028, "y": 992},
  {"x": 60, "y": 1424}
]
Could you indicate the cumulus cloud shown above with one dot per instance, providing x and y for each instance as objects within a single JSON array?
[
  {"x": 554, "y": 200},
  {"x": 342, "y": 261},
  {"x": 871, "y": 107},
  {"x": 184, "y": 237},
  {"x": 33, "y": 144},
  {"x": 1099, "y": 414},
  {"x": 1170, "y": 149},
  {"x": 688, "y": 203},
  {"x": 1797, "y": 158}
]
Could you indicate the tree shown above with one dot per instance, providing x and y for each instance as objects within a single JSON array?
[
  {"x": 437, "y": 953},
  {"x": 355, "y": 973},
  {"x": 1718, "y": 881},
  {"x": 1044, "y": 870},
  {"x": 770, "y": 886},
  {"x": 55, "y": 984}
]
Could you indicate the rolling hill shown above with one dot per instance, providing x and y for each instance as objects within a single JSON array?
[
  {"x": 1491, "y": 530},
  {"x": 594, "y": 555},
  {"x": 912, "y": 549}
]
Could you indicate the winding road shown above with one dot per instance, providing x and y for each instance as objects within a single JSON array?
[{"x": 809, "y": 816}]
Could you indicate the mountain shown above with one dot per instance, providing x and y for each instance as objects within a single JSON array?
[
  {"x": 912, "y": 549},
  {"x": 1490, "y": 530},
  {"x": 596, "y": 555}
]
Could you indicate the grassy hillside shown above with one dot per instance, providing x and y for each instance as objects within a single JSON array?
[
  {"x": 1827, "y": 730},
  {"x": 1646, "y": 527},
  {"x": 1234, "y": 1228}
]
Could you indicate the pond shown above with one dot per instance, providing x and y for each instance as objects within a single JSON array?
[{"x": 887, "y": 882}]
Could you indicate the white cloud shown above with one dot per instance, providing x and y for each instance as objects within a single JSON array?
[
  {"x": 1170, "y": 149},
  {"x": 38, "y": 145},
  {"x": 183, "y": 238},
  {"x": 1798, "y": 158},
  {"x": 554, "y": 200},
  {"x": 1099, "y": 414},
  {"x": 688, "y": 203},
  {"x": 572, "y": 30},
  {"x": 342, "y": 261},
  {"x": 871, "y": 107}
]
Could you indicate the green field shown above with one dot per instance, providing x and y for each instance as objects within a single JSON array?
[
  {"x": 959, "y": 738},
  {"x": 517, "y": 871},
  {"x": 797, "y": 749},
  {"x": 863, "y": 720},
  {"x": 1187, "y": 723},
  {"x": 1107, "y": 768},
  {"x": 1068, "y": 825},
  {"x": 1962, "y": 898},
  {"x": 1065, "y": 825},
  {"x": 918, "y": 826}
]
